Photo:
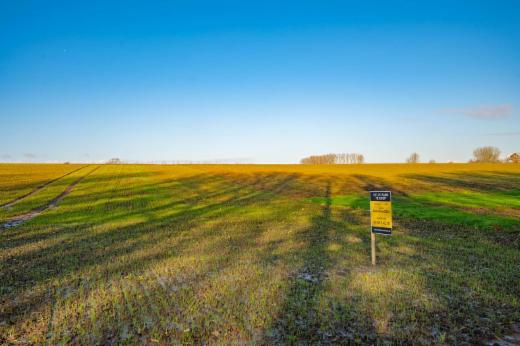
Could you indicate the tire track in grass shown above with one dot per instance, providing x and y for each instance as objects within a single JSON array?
[
  {"x": 17, "y": 220},
  {"x": 37, "y": 189}
]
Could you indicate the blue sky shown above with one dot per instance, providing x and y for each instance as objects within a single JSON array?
[{"x": 263, "y": 82}]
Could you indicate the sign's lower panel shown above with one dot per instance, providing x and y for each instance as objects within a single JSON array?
[{"x": 382, "y": 230}]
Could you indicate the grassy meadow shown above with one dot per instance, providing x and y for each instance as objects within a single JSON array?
[{"x": 259, "y": 254}]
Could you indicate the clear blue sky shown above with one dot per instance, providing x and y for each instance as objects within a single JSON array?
[{"x": 265, "y": 81}]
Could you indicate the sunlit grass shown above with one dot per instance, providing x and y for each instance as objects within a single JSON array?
[
  {"x": 472, "y": 199},
  {"x": 17, "y": 180},
  {"x": 217, "y": 254}
]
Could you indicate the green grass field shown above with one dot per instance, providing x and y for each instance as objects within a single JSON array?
[{"x": 259, "y": 254}]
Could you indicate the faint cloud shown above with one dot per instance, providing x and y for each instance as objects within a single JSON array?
[
  {"x": 512, "y": 133},
  {"x": 483, "y": 112},
  {"x": 29, "y": 155},
  {"x": 6, "y": 157}
]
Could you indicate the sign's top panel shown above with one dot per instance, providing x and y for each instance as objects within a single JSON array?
[{"x": 381, "y": 196}]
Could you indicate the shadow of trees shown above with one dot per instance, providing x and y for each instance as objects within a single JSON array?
[
  {"x": 113, "y": 233},
  {"x": 302, "y": 318},
  {"x": 478, "y": 181},
  {"x": 78, "y": 243},
  {"x": 299, "y": 319}
]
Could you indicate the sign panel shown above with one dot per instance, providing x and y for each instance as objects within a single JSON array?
[{"x": 381, "y": 212}]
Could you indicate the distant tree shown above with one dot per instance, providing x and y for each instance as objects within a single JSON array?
[
  {"x": 329, "y": 159},
  {"x": 114, "y": 161},
  {"x": 341, "y": 159},
  {"x": 413, "y": 158},
  {"x": 513, "y": 158},
  {"x": 486, "y": 154},
  {"x": 326, "y": 159},
  {"x": 432, "y": 161},
  {"x": 360, "y": 158}
]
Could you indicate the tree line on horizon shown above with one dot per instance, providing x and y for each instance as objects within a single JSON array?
[
  {"x": 333, "y": 159},
  {"x": 487, "y": 154}
]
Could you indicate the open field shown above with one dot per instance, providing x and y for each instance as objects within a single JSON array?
[{"x": 262, "y": 254}]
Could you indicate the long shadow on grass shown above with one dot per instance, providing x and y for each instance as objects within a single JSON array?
[
  {"x": 467, "y": 263},
  {"x": 299, "y": 321},
  {"x": 482, "y": 182},
  {"x": 465, "y": 271},
  {"x": 474, "y": 281},
  {"x": 307, "y": 317},
  {"x": 68, "y": 257},
  {"x": 371, "y": 183},
  {"x": 70, "y": 250}
]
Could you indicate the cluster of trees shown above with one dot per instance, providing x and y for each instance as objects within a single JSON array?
[
  {"x": 482, "y": 154},
  {"x": 513, "y": 158},
  {"x": 327, "y": 159},
  {"x": 114, "y": 161},
  {"x": 349, "y": 158},
  {"x": 492, "y": 154},
  {"x": 413, "y": 158},
  {"x": 486, "y": 154},
  {"x": 332, "y": 159}
]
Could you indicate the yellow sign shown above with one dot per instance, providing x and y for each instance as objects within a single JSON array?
[{"x": 381, "y": 212}]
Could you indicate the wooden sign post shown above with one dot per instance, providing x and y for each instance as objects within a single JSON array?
[{"x": 380, "y": 217}]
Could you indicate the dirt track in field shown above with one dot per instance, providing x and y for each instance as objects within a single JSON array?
[
  {"x": 17, "y": 220},
  {"x": 37, "y": 189}
]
